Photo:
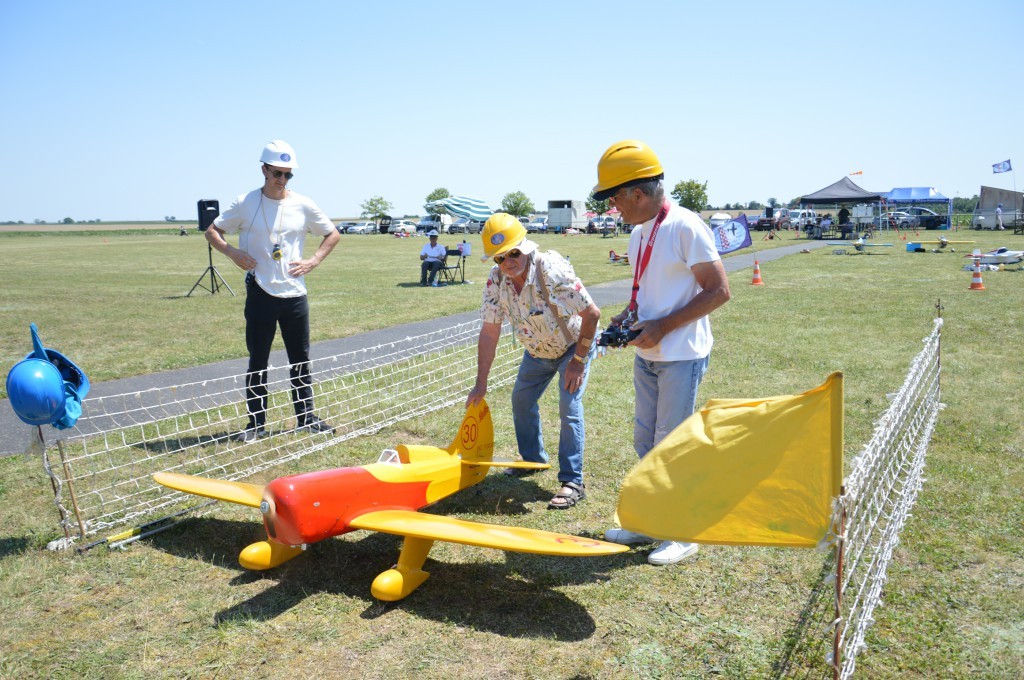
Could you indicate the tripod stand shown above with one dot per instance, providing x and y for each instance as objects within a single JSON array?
[{"x": 216, "y": 280}]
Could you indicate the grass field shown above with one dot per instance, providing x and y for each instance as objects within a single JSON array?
[
  {"x": 116, "y": 302},
  {"x": 178, "y": 604}
]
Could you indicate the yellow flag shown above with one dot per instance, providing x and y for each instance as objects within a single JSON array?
[{"x": 743, "y": 472}]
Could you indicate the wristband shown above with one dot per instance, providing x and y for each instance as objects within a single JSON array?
[
  {"x": 577, "y": 357},
  {"x": 586, "y": 341}
]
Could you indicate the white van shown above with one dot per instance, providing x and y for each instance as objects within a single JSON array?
[
  {"x": 442, "y": 223},
  {"x": 801, "y": 219}
]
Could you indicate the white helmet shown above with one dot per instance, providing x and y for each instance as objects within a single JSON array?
[{"x": 279, "y": 154}]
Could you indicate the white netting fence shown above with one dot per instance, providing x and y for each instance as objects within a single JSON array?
[
  {"x": 880, "y": 491},
  {"x": 103, "y": 479}
]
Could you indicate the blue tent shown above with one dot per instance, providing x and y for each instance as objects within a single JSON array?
[{"x": 918, "y": 195}]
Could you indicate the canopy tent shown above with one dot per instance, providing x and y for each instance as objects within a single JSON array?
[
  {"x": 843, "y": 191},
  {"x": 918, "y": 195},
  {"x": 463, "y": 206}
]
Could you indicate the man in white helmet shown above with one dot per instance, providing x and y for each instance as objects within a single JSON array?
[{"x": 271, "y": 223}]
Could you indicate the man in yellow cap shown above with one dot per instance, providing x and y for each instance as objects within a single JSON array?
[
  {"x": 678, "y": 279},
  {"x": 554, "y": 318}
]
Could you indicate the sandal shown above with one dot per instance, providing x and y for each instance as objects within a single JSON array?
[{"x": 569, "y": 495}]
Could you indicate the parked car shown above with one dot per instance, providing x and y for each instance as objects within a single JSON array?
[
  {"x": 895, "y": 219},
  {"x": 402, "y": 227},
  {"x": 925, "y": 218},
  {"x": 802, "y": 219},
  {"x": 343, "y": 227},
  {"x": 466, "y": 226},
  {"x": 538, "y": 225},
  {"x": 362, "y": 228},
  {"x": 440, "y": 222},
  {"x": 779, "y": 220},
  {"x": 604, "y": 224},
  {"x": 985, "y": 218},
  {"x": 718, "y": 219}
]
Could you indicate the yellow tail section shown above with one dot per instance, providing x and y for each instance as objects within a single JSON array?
[{"x": 475, "y": 438}]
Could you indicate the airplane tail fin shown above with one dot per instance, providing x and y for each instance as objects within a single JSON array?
[{"x": 475, "y": 439}]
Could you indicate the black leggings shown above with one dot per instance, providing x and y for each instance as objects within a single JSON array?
[{"x": 263, "y": 313}]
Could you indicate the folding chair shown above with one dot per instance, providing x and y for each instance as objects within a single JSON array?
[{"x": 454, "y": 268}]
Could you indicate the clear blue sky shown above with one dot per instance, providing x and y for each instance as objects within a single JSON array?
[{"x": 135, "y": 110}]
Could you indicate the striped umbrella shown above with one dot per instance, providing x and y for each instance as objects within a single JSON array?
[{"x": 463, "y": 206}]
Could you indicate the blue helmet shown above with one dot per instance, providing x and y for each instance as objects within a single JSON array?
[{"x": 36, "y": 391}]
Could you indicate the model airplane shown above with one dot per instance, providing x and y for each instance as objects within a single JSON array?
[
  {"x": 616, "y": 258},
  {"x": 860, "y": 244},
  {"x": 942, "y": 242},
  {"x": 385, "y": 496},
  {"x": 998, "y": 256}
]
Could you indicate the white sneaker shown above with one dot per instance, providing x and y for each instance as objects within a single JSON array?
[
  {"x": 670, "y": 552},
  {"x": 626, "y": 537}
]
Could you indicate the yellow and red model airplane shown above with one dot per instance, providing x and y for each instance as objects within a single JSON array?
[
  {"x": 385, "y": 496},
  {"x": 615, "y": 258}
]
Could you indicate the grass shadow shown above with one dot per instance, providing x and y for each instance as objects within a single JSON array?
[
  {"x": 13, "y": 545},
  {"x": 470, "y": 594},
  {"x": 807, "y": 640}
]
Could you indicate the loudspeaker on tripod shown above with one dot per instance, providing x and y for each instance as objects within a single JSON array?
[{"x": 209, "y": 210}]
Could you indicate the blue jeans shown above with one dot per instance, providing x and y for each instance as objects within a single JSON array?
[
  {"x": 666, "y": 393},
  {"x": 534, "y": 376}
]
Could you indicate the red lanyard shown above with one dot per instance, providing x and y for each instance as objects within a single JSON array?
[{"x": 642, "y": 266}]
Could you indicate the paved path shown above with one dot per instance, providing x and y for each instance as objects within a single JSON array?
[{"x": 14, "y": 433}]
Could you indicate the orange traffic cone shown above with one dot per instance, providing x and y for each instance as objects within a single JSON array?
[
  {"x": 976, "y": 283},
  {"x": 757, "y": 275}
]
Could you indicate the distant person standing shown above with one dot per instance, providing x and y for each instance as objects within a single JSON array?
[
  {"x": 272, "y": 223},
  {"x": 999, "y": 216},
  {"x": 845, "y": 228},
  {"x": 432, "y": 257}
]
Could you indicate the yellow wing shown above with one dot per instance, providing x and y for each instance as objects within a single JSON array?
[
  {"x": 521, "y": 464},
  {"x": 515, "y": 539},
  {"x": 222, "y": 490}
]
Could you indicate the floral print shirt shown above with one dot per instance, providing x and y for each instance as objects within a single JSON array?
[{"x": 532, "y": 321}]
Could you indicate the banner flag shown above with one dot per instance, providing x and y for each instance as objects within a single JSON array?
[
  {"x": 732, "y": 235},
  {"x": 1002, "y": 167},
  {"x": 743, "y": 472}
]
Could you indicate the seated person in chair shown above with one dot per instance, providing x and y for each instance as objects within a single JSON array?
[{"x": 432, "y": 257}]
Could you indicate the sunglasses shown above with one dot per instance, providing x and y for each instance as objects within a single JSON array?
[
  {"x": 277, "y": 173},
  {"x": 514, "y": 254}
]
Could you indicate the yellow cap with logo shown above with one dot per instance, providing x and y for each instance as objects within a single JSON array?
[
  {"x": 502, "y": 232},
  {"x": 625, "y": 163}
]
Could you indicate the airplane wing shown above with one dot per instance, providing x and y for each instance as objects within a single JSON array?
[
  {"x": 515, "y": 539},
  {"x": 522, "y": 464},
  {"x": 222, "y": 490}
]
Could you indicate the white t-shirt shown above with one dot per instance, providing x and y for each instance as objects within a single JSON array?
[
  {"x": 434, "y": 252},
  {"x": 262, "y": 222},
  {"x": 668, "y": 284}
]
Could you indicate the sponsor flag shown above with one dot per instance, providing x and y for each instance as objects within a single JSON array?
[
  {"x": 732, "y": 235},
  {"x": 1002, "y": 167},
  {"x": 743, "y": 472}
]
